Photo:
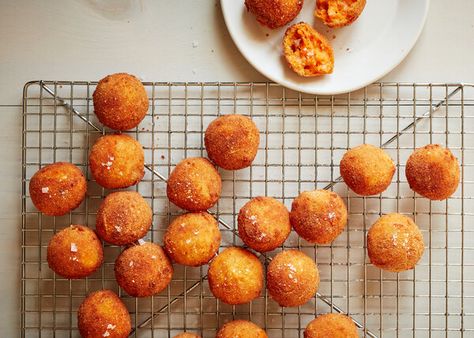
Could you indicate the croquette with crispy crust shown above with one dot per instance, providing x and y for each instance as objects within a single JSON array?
[
  {"x": 103, "y": 314},
  {"x": 395, "y": 243},
  {"x": 264, "y": 223},
  {"x": 75, "y": 252},
  {"x": 232, "y": 141},
  {"x": 123, "y": 217},
  {"x": 433, "y": 172},
  {"x": 194, "y": 184},
  {"x": 292, "y": 278},
  {"x": 57, "y": 188},
  {"x": 331, "y": 325},
  {"x": 117, "y": 161},
  {"x": 235, "y": 276},
  {"x": 307, "y": 52},
  {"x": 241, "y": 329},
  {"x": 120, "y": 101},
  {"x": 339, "y": 13},
  {"x": 274, "y": 13},
  {"x": 143, "y": 270},
  {"x": 192, "y": 239},
  {"x": 319, "y": 216},
  {"x": 187, "y": 335},
  {"x": 367, "y": 170}
]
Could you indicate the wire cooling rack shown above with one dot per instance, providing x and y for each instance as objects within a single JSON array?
[{"x": 303, "y": 138}]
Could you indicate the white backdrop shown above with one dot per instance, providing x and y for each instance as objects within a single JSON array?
[{"x": 183, "y": 40}]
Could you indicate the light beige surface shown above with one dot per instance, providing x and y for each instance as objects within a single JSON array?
[{"x": 157, "y": 40}]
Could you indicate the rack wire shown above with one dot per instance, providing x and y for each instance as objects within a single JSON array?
[{"x": 303, "y": 138}]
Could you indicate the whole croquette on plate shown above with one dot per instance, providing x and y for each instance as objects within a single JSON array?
[
  {"x": 307, "y": 52},
  {"x": 331, "y": 325},
  {"x": 143, "y": 270},
  {"x": 292, "y": 278},
  {"x": 192, "y": 239},
  {"x": 232, "y": 141},
  {"x": 235, "y": 276},
  {"x": 75, "y": 252},
  {"x": 319, "y": 216},
  {"x": 339, "y": 13},
  {"x": 103, "y": 314},
  {"x": 433, "y": 172},
  {"x": 123, "y": 217},
  {"x": 274, "y": 13},
  {"x": 120, "y": 101},
  {"x": 117, "y": 161},
  {"x": 395, "y": 243},
  {"x": 241, "y": 329},
  {"x": 264, "y": 223},
  {"x": 194, "y": 184},
  {"x": 57, "y": 188},
  {"x": 367, "y": 170}
]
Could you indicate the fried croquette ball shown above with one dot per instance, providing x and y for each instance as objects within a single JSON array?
[
  {"x": 235, "y": 276},
  {"x": 241, "y": 329},
  {"x": 123, "y": 217},
  {"x": 338, "y": 13},
  {"x": 264, "y": 223},
  {"x": 433, "y": 172},
  {"x": 103, "y": 314},
  {"x": 194, "y": 184},
  {"x": 120, "y": 101},
  {"x": 331, "y": 325},
  {"x": 274, "y": 13},
  {"x": 75, "y": 252},
  {"x": 319, "y": 216},
  {"x": 57, "y": 188},
  {"x": 292, "y": 278},
  {"x": 232, "y": 141},
  {"x": 117, "y": 161},
  {"x": 307, "y": 52},
  {"x": 192, "y": 239},
  {"x": 395, "y": 243},
  {"x": 187, "y": 335},
  {"x": 367, "y": 170},
  {"x": 143, "y": 270}
]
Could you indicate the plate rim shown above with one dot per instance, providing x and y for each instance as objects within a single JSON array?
[{"x": 292, "y": 86}]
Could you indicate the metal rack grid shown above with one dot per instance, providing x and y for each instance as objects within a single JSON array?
[{"x": 303, "y": 138}]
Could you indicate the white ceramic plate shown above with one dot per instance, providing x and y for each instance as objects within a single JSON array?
[{"x": 363, "y": 52}]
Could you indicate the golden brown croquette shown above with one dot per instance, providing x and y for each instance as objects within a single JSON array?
[
  {"x": 123, "y": 217},
  {"x": 274, "y": 13},
  {"x": 117, "y": 161},
  {"x": 143, "y": 270},
  {"x": 192, "y": 239},
  {"x": 103, "y": 314},
  {"x": 264, "y": 223},
  {"x": 367, "y": 170},
  {"x": 433, "y": 172},
  {"x": 187, "y": 335},
  {"x": 75, "y": 252},
  {"x": 194, "y": 184},
  {"x": 120, "y": 101},
  {"x": 339, "y": 13},
  {"x": 57, "y": 188},
  {"x": 292, "y": 278},
  {"x": 235, "y": 276},
  {"x": 395, "y": 243},
  {"x": 232, "y": 141},
  {"x": 241, "y": 329},
  {"x": 307, "y": 52},
  {"x": 331, "y": 325},
  {"x": 319, "y": 216}
]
